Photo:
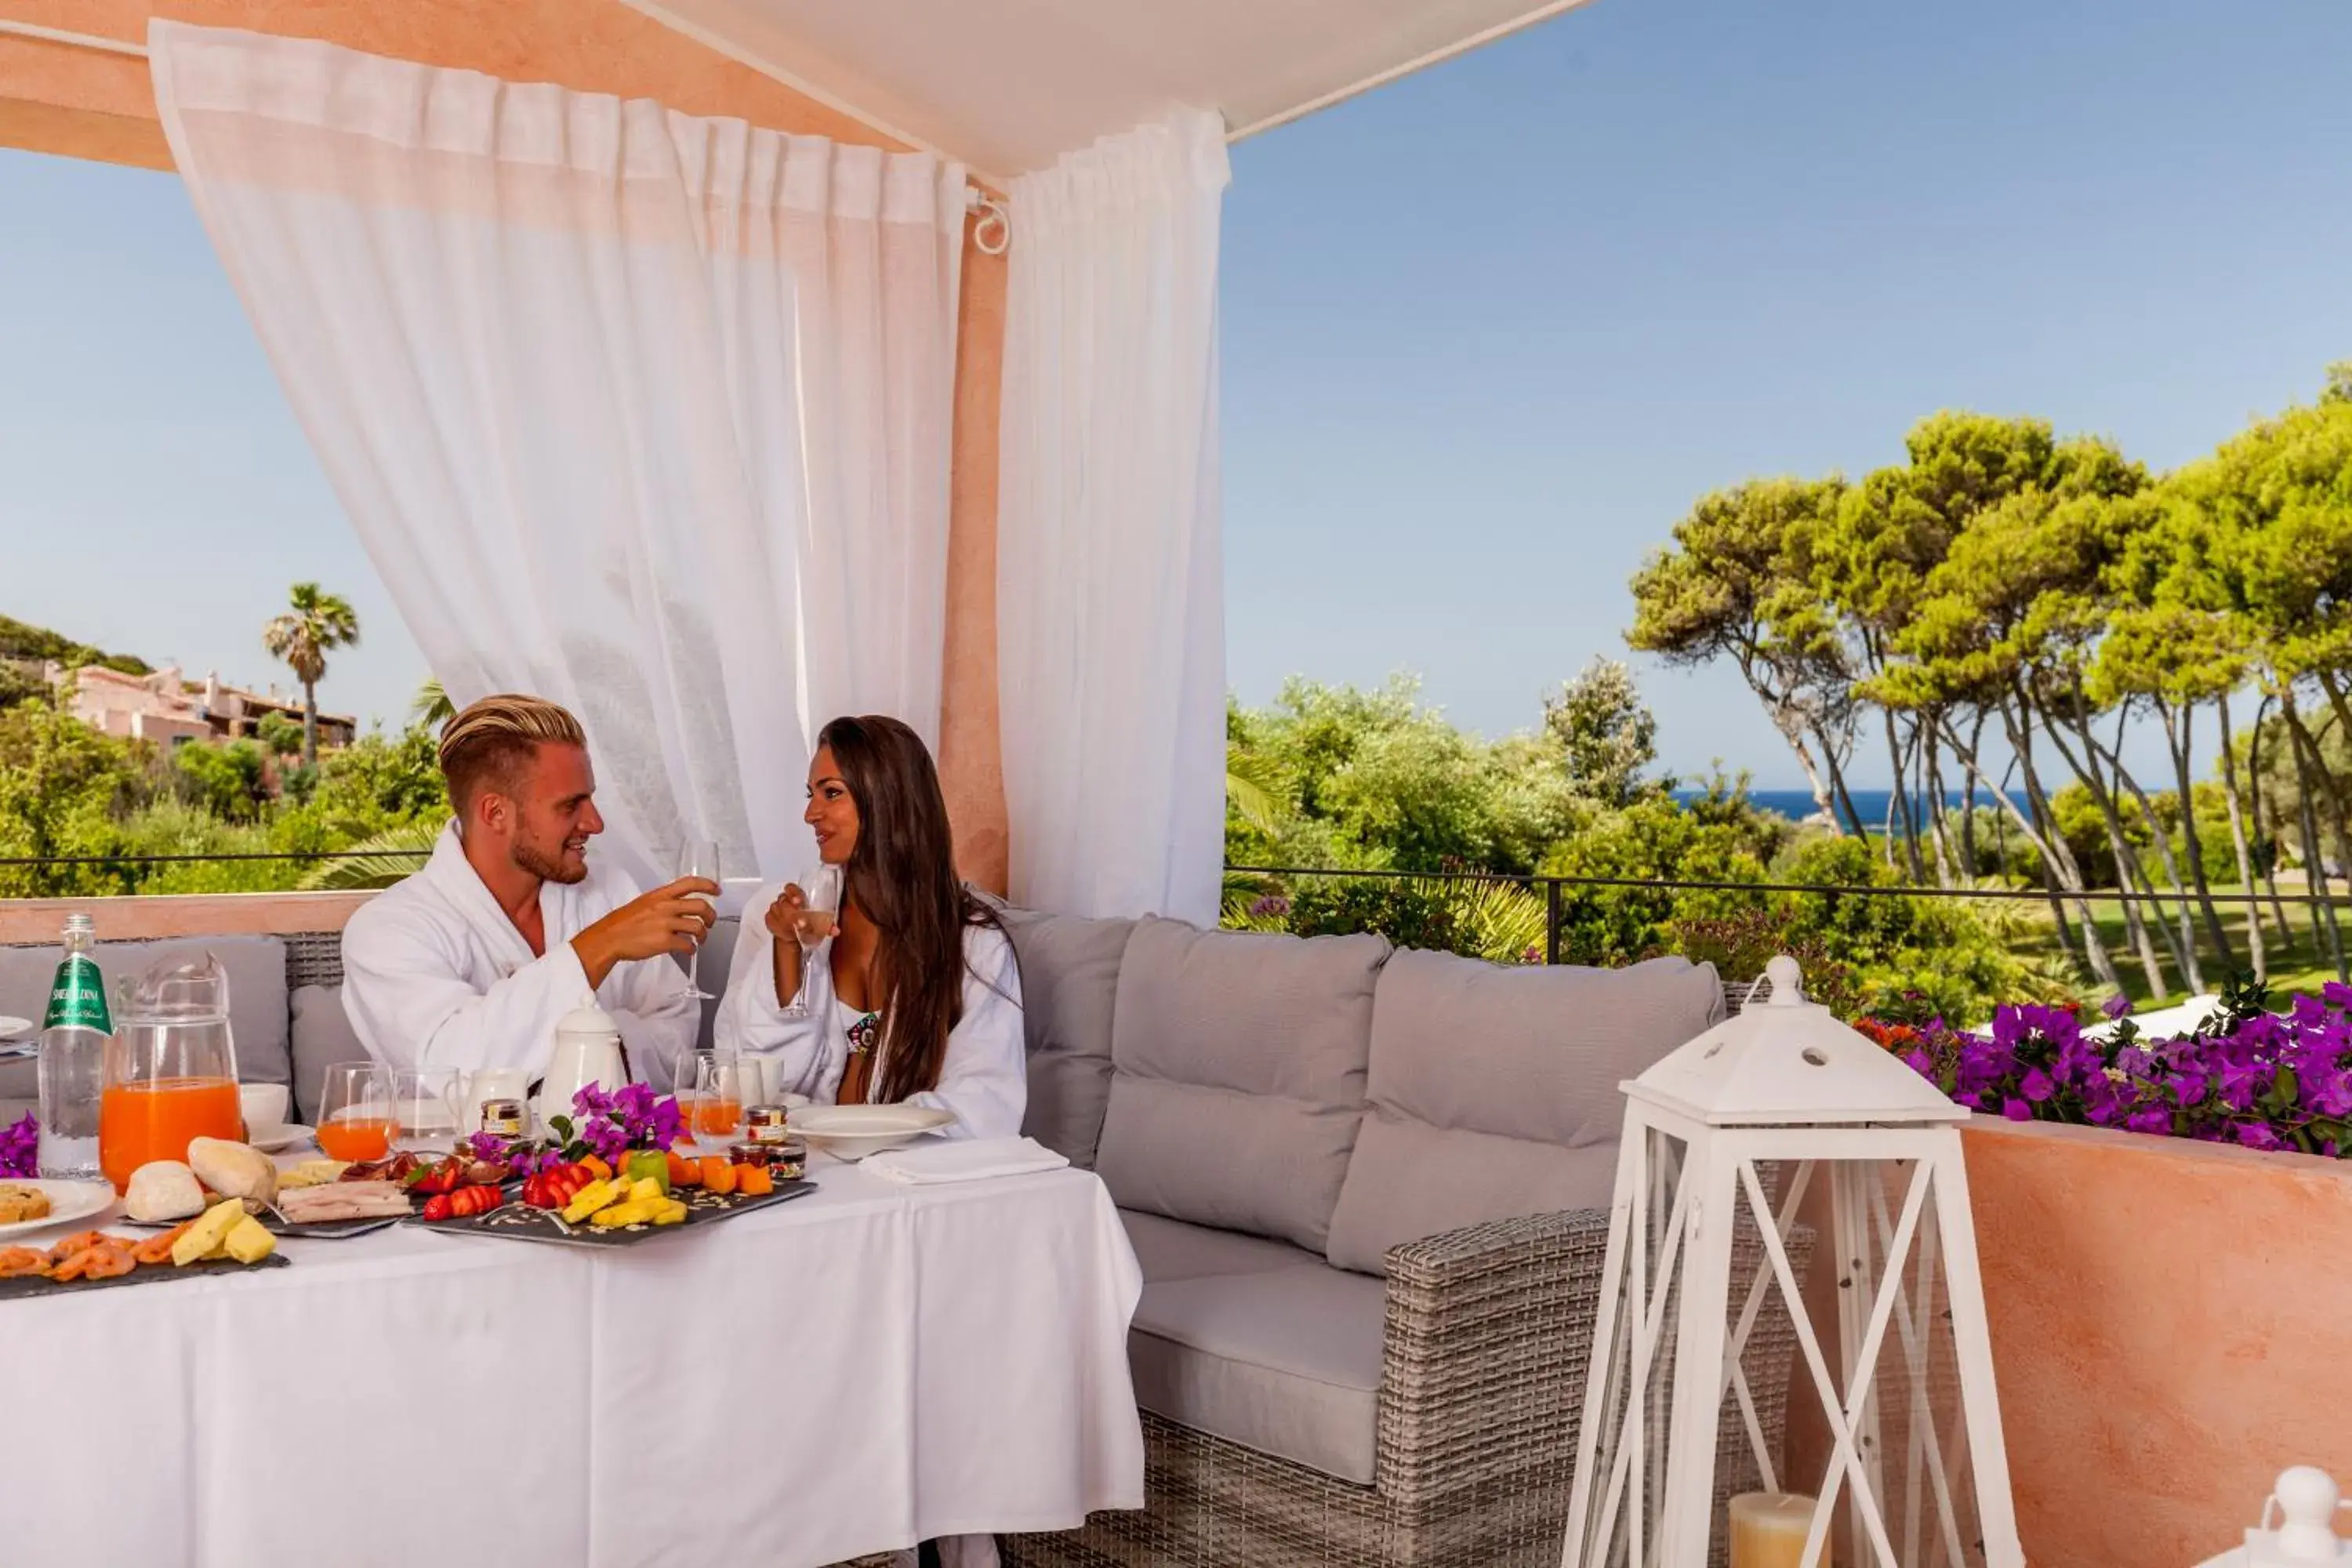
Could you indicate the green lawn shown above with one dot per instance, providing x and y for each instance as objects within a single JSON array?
[{"x": 2302, "y": 965}]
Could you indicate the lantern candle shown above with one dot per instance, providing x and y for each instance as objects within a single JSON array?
[{"x": 1768, "y": 1530}]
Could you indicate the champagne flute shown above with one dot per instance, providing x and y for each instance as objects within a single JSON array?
[
  {"x": 698, "y": 857},
  {"x": 819, "y": 917}
]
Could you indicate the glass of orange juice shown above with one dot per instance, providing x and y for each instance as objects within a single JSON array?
[
  {"x": 171, "y": 1069},
  {"x": 355, "y": 1114}
]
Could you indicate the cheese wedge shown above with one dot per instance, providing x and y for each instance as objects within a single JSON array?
[
  {"x": 310, "y": 1174},
  {"x": 201, "y": 1239},
  {"x": 249, "y": 1240}
]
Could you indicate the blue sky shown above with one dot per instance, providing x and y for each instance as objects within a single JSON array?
[{"x": 1488, "y": 332}]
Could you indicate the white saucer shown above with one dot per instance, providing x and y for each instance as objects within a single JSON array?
[
  {"x": 854, "y": 1131},
  {"x": 273, "y": 1138}
]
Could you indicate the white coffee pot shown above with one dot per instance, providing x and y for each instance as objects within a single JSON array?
[{"x": 587, "y": 1050}]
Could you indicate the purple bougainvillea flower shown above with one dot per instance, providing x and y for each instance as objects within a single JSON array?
[
  {"x": 2017, "y": 1109},
  {"x": 2241, "y": 1081},
  {"x": 2116, "y": 1007},
  {"x": 20, "y": 1149},
  {"x": 2149, "y": 1119},
  {"x": 2259, "y": 1135},
  {"x": 2036, "y": 1086}
]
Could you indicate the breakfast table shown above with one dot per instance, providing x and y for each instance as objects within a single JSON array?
[{"x": 852, "y": 1372}]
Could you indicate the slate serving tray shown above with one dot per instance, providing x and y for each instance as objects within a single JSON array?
[
  {"x": 517, "y": 1221},
  {"x": 312, "y": 1230},
  {"x": 29, "y": 1285}
]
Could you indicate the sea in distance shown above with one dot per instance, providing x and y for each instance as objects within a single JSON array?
[{"x": 1797, "y": 804}]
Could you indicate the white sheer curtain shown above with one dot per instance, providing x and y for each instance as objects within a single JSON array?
[
  {"x": 1109, "y": 552},
  {"x": 647, "y": 414}
]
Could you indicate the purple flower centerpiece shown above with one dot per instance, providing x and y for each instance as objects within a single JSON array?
[
  {"x": 20, "y": 1149},
  {"x": 2246, "y": 1075},
  {"x": 609, "y": 1126}
]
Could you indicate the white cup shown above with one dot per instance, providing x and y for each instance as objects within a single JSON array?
[
  {"x": 262, "y": 1105},
  {"x": 491, "y": 1083}
]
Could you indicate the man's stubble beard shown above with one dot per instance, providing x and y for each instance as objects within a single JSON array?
[{"x": 545, "y": 870}]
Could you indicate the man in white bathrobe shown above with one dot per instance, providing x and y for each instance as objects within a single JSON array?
[{"x": 470, "y": 963}]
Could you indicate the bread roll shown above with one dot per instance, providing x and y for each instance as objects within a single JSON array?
[
  {"x": 234, "y": 1170},
  {"x": 164, "y": 1189}
]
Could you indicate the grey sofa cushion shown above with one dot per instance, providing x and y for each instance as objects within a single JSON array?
[
  {"x": 1286, "y": 1361},
  {"x": 1493, "y": 1091},
  {"x": 322, "y": 1036},
  {"x": 1171, "y": 1249},
  {"x": 257, "y": 996},
  {"x": 1069, "y": 979},
  {"x": 718, "y": 958},
  {"x": 1238, "y": 1075}
]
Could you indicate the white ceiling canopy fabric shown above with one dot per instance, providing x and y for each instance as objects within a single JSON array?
[{"x": 1008, "y": 86}]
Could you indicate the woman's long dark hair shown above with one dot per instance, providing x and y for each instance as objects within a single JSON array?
[{"x": 902, "y": 875}]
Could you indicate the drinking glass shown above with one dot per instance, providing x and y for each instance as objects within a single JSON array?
[
  {"x": 685, "y": 1088},
  {"x": 355, "y": 1120},
  {"x": 815, "y": 924},
  {"x": 697, "y": 857},
  {"x": 425, "y": 1109}
]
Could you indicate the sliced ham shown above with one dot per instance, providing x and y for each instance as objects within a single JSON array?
[{"x": 343, "y": 1201}]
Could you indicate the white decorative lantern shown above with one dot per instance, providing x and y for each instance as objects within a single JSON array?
[
  {"x": 2305, "y": 1504},
  {"x": 1784, "y": 1087}
]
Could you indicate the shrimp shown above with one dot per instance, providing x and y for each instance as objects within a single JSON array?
[
  {"x": 16, "y": 1262},
  {"x": 81, "y": 1241},
  {"x": 157, "y": 1248},
  {"x": 108, "y": 1262}
]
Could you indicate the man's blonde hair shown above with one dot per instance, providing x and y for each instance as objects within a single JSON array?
[{"x": 485, "y": 744}]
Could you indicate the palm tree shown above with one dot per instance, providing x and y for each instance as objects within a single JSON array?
[
  {"x": 302, "y": 637},
  {"x": 432, "y": 707}
]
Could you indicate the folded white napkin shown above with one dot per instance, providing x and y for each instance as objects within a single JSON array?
[{"x": 966, "y": 1160}]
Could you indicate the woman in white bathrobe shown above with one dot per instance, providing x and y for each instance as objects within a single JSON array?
[{"x": 913, "y": 998}]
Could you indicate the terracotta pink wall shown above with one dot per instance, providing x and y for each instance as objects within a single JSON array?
[
  {"x": 85, "y": 104},
  {"x": 2171, "y": 1327},
  {"x": 25, "y": 921}
]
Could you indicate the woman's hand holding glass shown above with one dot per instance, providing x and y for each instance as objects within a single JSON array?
[{"x": 807, "y": 918}]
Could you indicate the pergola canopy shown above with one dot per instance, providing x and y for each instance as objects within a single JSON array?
[{"x": 1008, "y": 86}]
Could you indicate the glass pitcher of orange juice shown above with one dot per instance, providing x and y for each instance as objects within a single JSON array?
[{"x": 171, "y": 1068}]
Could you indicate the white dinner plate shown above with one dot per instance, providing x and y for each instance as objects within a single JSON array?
[
  {"x": 274, "y": 1138},
  {"x": 854, "y": 1131},
  {"x": 10, "y": 1044},
  {"x": 69, "y": 1201},
  {"x": 10, "y": 1027}
]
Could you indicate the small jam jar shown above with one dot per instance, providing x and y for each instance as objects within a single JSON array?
[
  {"x": 789, "y": 1158},
  {"x": 765, "y": 1123},
  {"x": 505, "y": 1118},
  {"x": 750, "y": 1154}
]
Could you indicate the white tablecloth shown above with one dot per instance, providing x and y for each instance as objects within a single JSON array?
[{"x": 848, "y": 1372}]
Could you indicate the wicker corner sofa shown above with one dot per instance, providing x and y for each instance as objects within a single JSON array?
[{"x": 1479, "y": 1108}]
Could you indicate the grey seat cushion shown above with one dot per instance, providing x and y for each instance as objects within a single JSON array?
[
  {"x": 1069, "y": 979},
  {"x": 322, "y": 1036},
  {"x": 257, "y": 996},
  {"x": 1493, "y": 1091},
  {"x": 1237, "y": 1076},
  {"x": 1286, "y": 1361},
  {"x": 1171, "y": 1249}
]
